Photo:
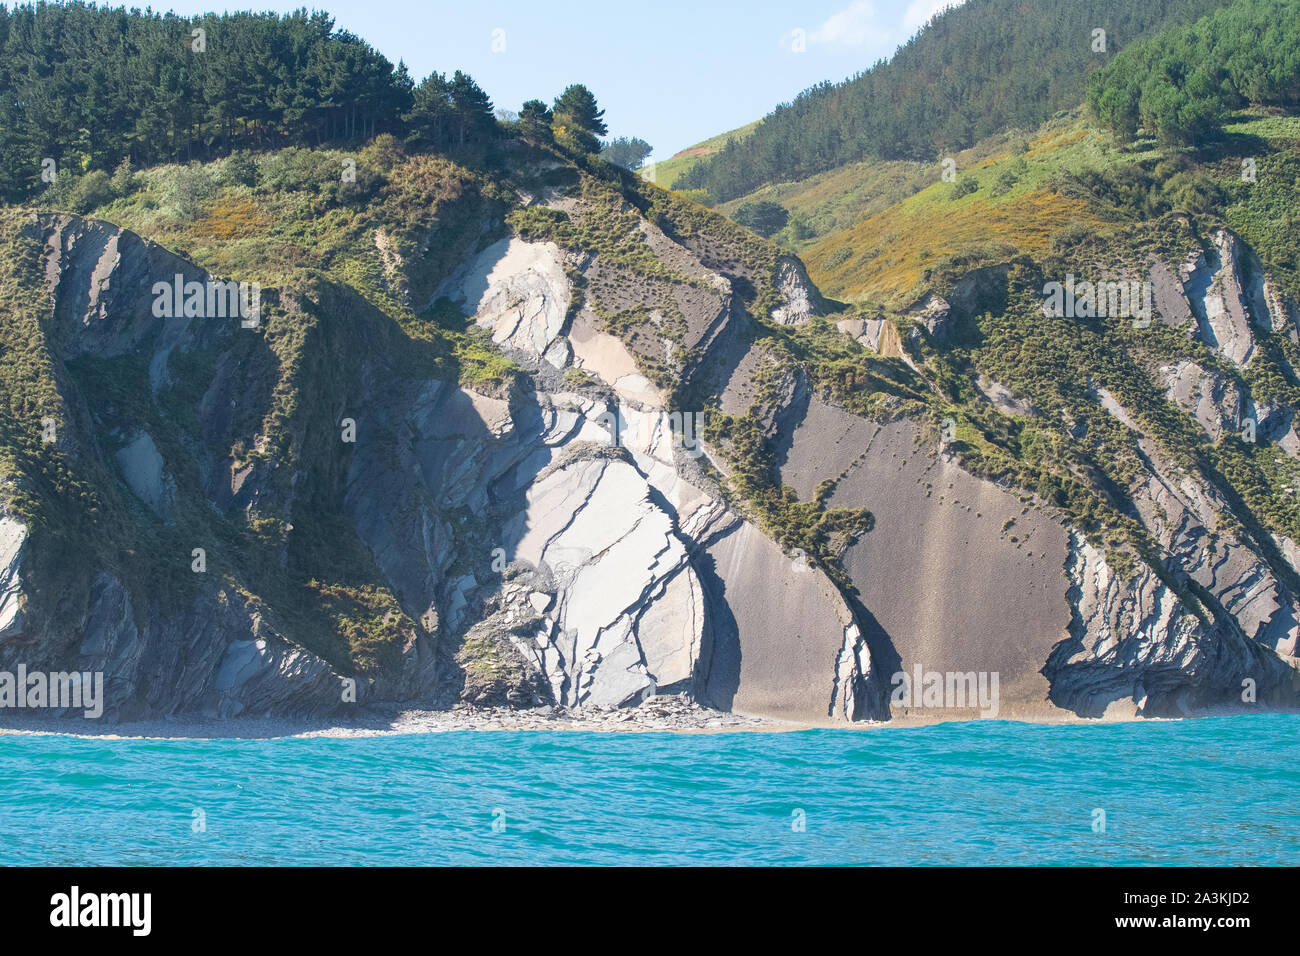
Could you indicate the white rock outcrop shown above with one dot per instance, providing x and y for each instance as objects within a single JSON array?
[
  {"x": 1214, "y": 401},
  {"x": 518, "y": 290},
  {"x": 13, "y": 534},
  {"x": 1213, "y": 285}
]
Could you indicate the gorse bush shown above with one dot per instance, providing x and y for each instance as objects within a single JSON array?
[{"x": 92, "y": 190}]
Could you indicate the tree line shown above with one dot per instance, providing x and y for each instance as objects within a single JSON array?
[
  {"x": 977, "y": 69},
  {"x": 85, "y": 88},
  {"x": 1179, "y": 85}
]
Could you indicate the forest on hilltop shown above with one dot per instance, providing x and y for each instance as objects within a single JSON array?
[
  {"x": 91, "y": 87},
  {"x": 985, "y": 66},
  {"x": 1181, "y": 84}
]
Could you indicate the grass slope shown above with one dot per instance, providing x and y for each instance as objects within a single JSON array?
[{"x": 667, "y": 172}]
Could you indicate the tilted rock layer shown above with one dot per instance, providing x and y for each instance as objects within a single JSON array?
[{"x": 565, "y": 539}]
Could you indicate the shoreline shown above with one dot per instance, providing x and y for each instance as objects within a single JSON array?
[
  {"x": 661, "y": 714},
  {"x": 658, "y": 715}
]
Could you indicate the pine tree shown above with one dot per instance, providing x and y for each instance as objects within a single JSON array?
[
  {"x": 578, "y": 120},
  {"x": 535, "y": 120}
]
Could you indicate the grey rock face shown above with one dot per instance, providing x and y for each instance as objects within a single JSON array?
[
  {"x": 217, "y": 657},
  {"x": 142, "y": 468},
  {"x": 518, "y": 290},
  {"x": 1213, "y": 400},
  {"x": 214, "y": 652},
  {"x": 13, "y": 537},
  {"x": 961, "y": 576},
  {"x": 560, "y": 542},
  {"x": 1137, "y": 650},
  {"x": 1235, "y": 620},
  {"x": 1214, "y": 288},
  {"x": 935, "y": 313},
  {"x": 879, "y": 335},
  {"x": 957, "y": 575},
  {"x": 789, "y": 648},
  {"x": 646, "y": 580},
  {"x": 1170, "y": 300},
  {"x": 801, "y": 298},
  {"x": 545, "y": 545}
]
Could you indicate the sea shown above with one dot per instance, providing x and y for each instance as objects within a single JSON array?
[{"x": 1210, "y": 791}]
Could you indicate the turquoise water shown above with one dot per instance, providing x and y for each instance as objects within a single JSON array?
[{"x": 1212, "y": 791}]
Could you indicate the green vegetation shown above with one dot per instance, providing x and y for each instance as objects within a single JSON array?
[
  {"x": 86, "y": 89},
  {"x": 604, "y": 227},
  {"x": 90, "y": 86},
  {"x": 1180, "y": 84},
  {"x": 669, "y": 172},
  {"x": 976, "y": 70},
  {"x": 627, "y": 152},
  {"x": 577, "y": 120},
  {"x": 447, "y": 113},
  {"x": 764, "y": 217},
  {"x": 1009, "y": 204},
  {"x": 535, "y": 119}
]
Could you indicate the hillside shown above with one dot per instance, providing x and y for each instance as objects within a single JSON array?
[
  {"x": 368, "y": 552},
  {"x": 496, "y": 423},
  {"x": 973, "y": 71},
  {"x": 669, "y": 171}
]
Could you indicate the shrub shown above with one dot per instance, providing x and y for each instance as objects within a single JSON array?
[
  {"x": 381, "y": 154},
  {"x": 1068, "y": 239},
  {"x": 801, "y": 228},
  {"x": 239, "y": 169},
  {"x": 299, "y": 169},
  {"x": 839, "y": 257},
  {"x": 124, "y": 179},
  {"x": 764, "y": 217},
  {"x": 189, "y": 188},
  {"x": 1004, "y": 183},
  {"x": 91, "y": 191},
  {"x": 964, "y": 186}
]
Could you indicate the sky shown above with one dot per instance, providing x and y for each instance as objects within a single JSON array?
[{"x": 672, "y": 72}]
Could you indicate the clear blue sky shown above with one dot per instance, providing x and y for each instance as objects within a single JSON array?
[{"x": 673, "y": 72}]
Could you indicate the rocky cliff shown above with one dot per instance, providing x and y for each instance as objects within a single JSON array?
[{"x": 313, "y": 511}]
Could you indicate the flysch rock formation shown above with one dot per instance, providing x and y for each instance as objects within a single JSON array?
[
  {"x": 13, "y": 534},
  {"x": 549, "y": 544},
  {"x": 1213, "y": 400},
  {"x": 956, "y": 576},
  {"x": 1224, "y": 298},
  {"x": 1220, "y": 293},
  {"x": 647, "y": 581},
  {"x": 216, "y": 652},
  {"x": 1213, "y": 284},
  {"x": 560, "y": 541}
]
